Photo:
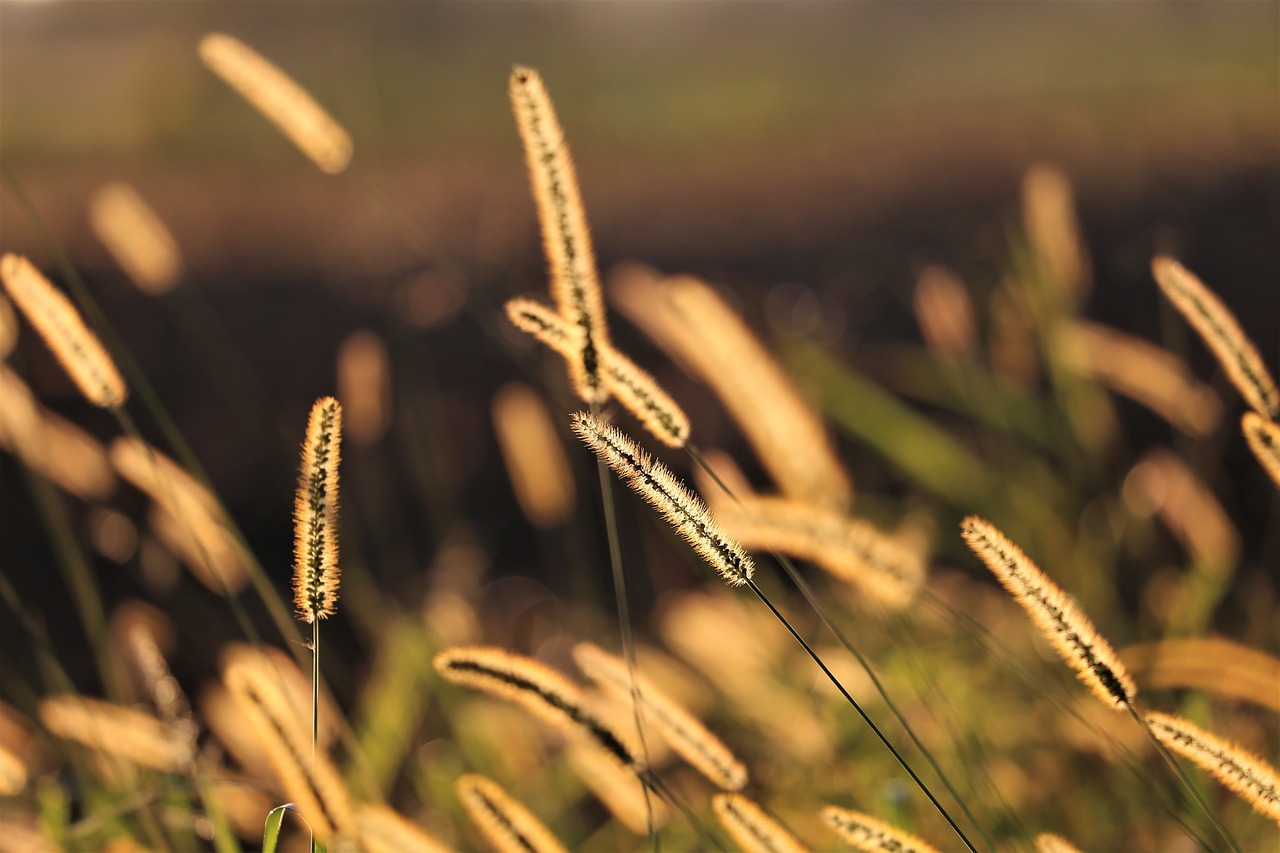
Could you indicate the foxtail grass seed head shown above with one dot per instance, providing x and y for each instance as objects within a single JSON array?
[
  {"x": 664, "y": 492},
  {"x": 641, "y": 395},
  {"x": 1264, "y": 440},
  {"x": 853, "y": 550},
  {"x": 383, "y": 830},
  {"x": 534, "y": 457},
  {"x": 306, "y": 774},
  {"x": 1164, "y": 485},
  {"x": 278, "y": 97},
  {"x": 683, "y": 732},
  {"x": 698, "y": 328},
  {"x": 315, "y": 515},
  {"x": 364, "y": 387},
  {"x": 1047, "y": 842},
  {"x": 1054, "y": 613},
  {"x": 8, "y": 327},
  {"x": 274, "y": 674},
  {"x": 52, "y": 315},
  {"x": 575, "y": 284},
  {"x": 505, "y": 822},
  {"x": 619, "y": 790},
  {"x": 1143, "y": 372},
  {"x": 750, "y": 828},
  {"x": 13, "y": 773},
  {"x": 136, "y": 237},
  {"x": 1049, "y": 216},
  {"x": 944, "y": 313},
  {"x": 164, "y": 480},
  {"x": 1221, "y": 332},
  {"x": 118, "y": 731},
  {"x": 1213, "y": 664},
  {"x": 1245, "y": 774},
  {"x": 538, "y": 689},
  {"x": 206, "y": 547},
  {"x": 55, "y": 448},
  {"x": 637, "y": 391},
  {"x": 871, "y": 835}
]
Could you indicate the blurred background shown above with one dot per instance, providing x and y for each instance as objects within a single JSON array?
[
  {"x": 812, "y": 159},
  {"x": 816, "y": 162}
]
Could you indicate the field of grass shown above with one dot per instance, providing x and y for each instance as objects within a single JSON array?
[{"x": 688, "y": 533}]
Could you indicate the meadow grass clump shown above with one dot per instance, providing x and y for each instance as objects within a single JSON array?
[{"x": 739, "y": 724}]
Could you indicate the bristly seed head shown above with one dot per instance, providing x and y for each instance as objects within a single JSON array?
[
  {"x": 1057, "y": 616},
  {"x": 56, "y": 319},
  {"x": 657, "y": 485},
  {"x": 315, "y": 515}
]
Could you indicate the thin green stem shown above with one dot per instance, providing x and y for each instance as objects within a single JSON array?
[
  {"x": 315, "y": 698},
  {"x": 628, "y": 635},
  {"x": 1218, "y": 827},
  {"x": 865, "y": 717},
  {"x": 654, "y": 781},
  {"x": 827, "y": 620}
]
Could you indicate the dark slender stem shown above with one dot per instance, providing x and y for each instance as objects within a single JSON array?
[
  {"x": 654, "y": 781},
  {"x": 865, "y": 717},
  {"x": 315, "y": 699},
  {"x": 624, "y": 621},
  {"x": 823, "y": 614}
]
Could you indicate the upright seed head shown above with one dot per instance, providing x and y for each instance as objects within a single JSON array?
[
  {"x": 315, "y": 515},
  {"x": 575, "y": 284}
]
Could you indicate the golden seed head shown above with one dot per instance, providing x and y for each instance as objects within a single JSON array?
[
  {"x": 537, "y": 688},
  {"x": 1263, "y": 436},
  {"x": 534, "y": 457},
  {"x": 566, "y": 240},
  {"x": 869, "y": 834},
  {"x": 689, "y": 320},
  {"x": 1245, "y": 774},
  {"x": 364, "y": 387},
  {"x": 504, "y": 820},
  {"x": 752, "y": 829},
  {"x": 657, "y": 485},
  {"x": 681, "y": 730},
  {"x": 136, "y": 237},
  {"x": 52, "y": 315},
  {"x": 1055, "y": 614},
  {"x": 315, "y": 514},
  {"x": 1221, "y": 332},
  {"x": 278, "y": 97}
]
